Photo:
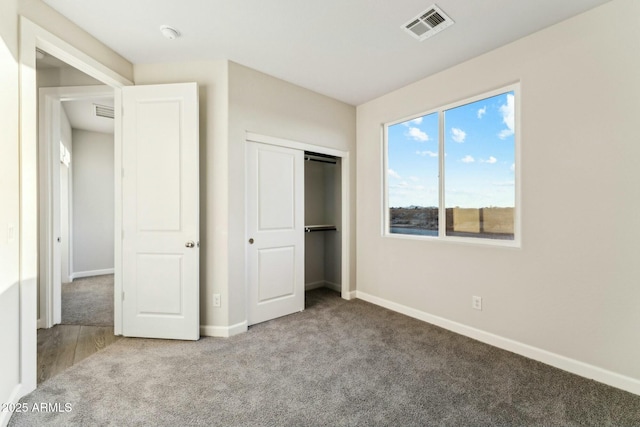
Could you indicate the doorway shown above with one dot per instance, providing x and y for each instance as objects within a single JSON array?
[
  {"x": 277, "y": 206},
  {"x": 76, "y": 168}
]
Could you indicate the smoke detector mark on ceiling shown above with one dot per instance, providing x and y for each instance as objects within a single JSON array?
[
  {"x": 428, "y": 23},
  {"x": 103, "y": 111}
]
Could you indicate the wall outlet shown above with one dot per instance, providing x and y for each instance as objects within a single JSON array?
[
  {"x": 476, "y": 302},
  {"x": 216, "y": 300}
]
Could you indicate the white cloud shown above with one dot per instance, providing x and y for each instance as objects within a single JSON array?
[
  {"x": 415, "y": 121},
  {"x": 417, "y": 134},
  {"x": 505, "y": 133},
  {"x": 427, "y": 153},
  {"x": 468, "y": 159},
  {"x": 504, "y": 183},
  {"x": 394, "y": 174},
  {"x": 508, "y": 117},
  {"x": 490, "y": 160},
  {"x": 404, "y": 185},
  {"x": 513, "y": 167},
  {"x": 414, "y": 178},
  {"x": 458, "y": 135},
  {"x": 481, "y": 112}
]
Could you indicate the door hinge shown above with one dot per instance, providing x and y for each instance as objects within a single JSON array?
[
  {"x": 123, "y": 172},
  {"x": 122, "y": 295}
]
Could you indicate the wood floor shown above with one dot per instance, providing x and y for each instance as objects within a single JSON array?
[{"x": 64, "y": 345}]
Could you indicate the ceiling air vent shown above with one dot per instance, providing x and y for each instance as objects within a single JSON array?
[
  {"x": 103, "y": 111},
  {"x": 428, "y": 23}
]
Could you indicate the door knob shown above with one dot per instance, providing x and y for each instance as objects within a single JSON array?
[
  {"x": 251, "y": 241},
  {"x": 190, "y": 244}
]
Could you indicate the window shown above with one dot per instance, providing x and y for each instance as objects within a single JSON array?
[{"x": 451, "y": 173}]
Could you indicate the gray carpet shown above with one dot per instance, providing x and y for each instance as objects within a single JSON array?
[
  {"x": 338, "y": 363},
  {"x": 88, "y": 301}
]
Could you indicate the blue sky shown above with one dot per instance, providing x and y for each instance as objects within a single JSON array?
[{"x": 479, "y": 156}]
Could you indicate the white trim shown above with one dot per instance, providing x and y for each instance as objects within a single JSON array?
[
  {"x": 64, "y": 51},
  {"x": 223, "y": 331},
  {"x": 333, "y": 286},
  {"x": 49, "y": 110},
  {"x": 350, "y": 295},
  {"x": 323, "y": 284},
  {"x": 14, "y": 397},
  {"x": 281, "y": 142},
  {"x": 33, "y": 36},
  {"x": 314, "y": 285},
  {"x": 91, "y": 273},
  {"x": 345, "y": 179},
  {"x": 117, "y": 212},
  {"x": 577, "y": 367},
  {"x": 442, "y": 173}
]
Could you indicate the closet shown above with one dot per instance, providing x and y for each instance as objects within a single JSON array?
[{"x": 323, "y": 213}]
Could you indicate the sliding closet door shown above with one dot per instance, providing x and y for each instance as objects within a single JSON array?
[{"x": 275, "y": 231}]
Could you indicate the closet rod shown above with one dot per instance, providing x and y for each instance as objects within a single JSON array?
[
  {"x": 333, "y": 162},
  {"x": 311, "y": 228}
]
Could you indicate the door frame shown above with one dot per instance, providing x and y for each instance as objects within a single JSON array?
[
  {"x": 33, "y": 36},
  {"x": 344, "y": 196},
  {"x": 49, "y": 109}
]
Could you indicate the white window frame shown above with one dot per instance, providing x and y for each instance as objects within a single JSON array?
[{"x": 442, "y": 237}]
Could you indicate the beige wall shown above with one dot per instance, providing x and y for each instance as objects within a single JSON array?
[
  {"x": 93, "y": 201},
  {"x": 9, "y": 208},
  {"x": 314, "y": 203},
  {"x": 466, "y": 220},
  {"x": 233, "y": 100},
  {"x": 497, "y": 220},
  {"x": 322, "y": 250},
  {"x": 481, "y": 220},
  {"x": 63, "y": 76},
  {"x": 572, "y": 288}
]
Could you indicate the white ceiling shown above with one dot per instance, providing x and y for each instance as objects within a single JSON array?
[
  {"x": 81, "y": 115},
  {"x": 351, "y": 50}
]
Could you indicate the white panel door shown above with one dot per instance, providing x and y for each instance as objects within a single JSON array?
[
  {"x": 275, "y": 231},
  {"x": 160, "y": 212}
]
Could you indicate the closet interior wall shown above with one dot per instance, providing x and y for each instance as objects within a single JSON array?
[{"x": 323, "y": 207}]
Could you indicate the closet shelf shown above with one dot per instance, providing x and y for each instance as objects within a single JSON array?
[{"x": 310, "y": 228}]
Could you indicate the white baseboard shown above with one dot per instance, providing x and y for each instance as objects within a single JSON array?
[
  {"x": 14, "y": 397},
  {"x": 314, "y": 285},
  {"x": 223, "y": 331},
  {"x": 81, "y": 274},
  {"x": 333, "y": 286},
  {"x": 350, "y": 295},
  {"x": 577, "y": 367},
  {"x": 323, "y": 284}
]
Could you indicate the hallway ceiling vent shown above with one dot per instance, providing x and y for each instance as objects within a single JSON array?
[
  {"x": 103, "y": 111},
  {"x": 428, "y": 23}
]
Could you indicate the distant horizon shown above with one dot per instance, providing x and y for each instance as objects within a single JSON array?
[{"x": 450, "y": 207}]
